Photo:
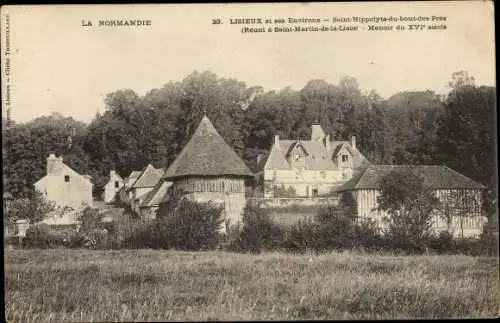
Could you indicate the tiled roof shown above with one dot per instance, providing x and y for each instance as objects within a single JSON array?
[
  {"x": 148, "y": 178},
  {"x": 207, "y": 154},
  {"x": 155, "y": 196},
  {"x": 318, "y": 156},
  {"x": 436, "y": 177}
]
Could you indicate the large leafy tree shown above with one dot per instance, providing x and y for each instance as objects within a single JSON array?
[
  {"x": 466, "y": 134},
  {"x": 409, "y": 203}
]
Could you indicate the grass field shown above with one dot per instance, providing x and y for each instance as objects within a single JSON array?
[{"x": 147, "y": 285}]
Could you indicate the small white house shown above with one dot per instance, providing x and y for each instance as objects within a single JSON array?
[
  {"x": 64, "y": 186},
  {"x": 112, "y": 187}
]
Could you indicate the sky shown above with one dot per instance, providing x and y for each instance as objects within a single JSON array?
[{"x": 58, "y": 65}]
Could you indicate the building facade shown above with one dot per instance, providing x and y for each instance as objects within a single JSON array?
[
  {"x": 308, "y": 168},
  {"x": 112, "y": 187},
  {"x": 208, "y": 169},
  {"x": 125, "y": 194},
  {"x": 460, "y": 198},
  {"x": 64, "y": 186},
  {"x": 144, "y": 183}
]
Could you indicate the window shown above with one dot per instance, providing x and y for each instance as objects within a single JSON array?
[
  {"x": 315, "y": 192},
  {"x": 322, "y": 174},
  {"x": 345, "y": 158},
  {"x": 344, "y": 175},
  {"x": 66, "y": 178},
  {"x": 117, "y": 184}
]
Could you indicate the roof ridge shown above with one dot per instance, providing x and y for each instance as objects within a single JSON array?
[{"x": 207, "y": 153}]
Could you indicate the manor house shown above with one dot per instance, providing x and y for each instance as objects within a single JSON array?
[{"x": 308, "y": 168}]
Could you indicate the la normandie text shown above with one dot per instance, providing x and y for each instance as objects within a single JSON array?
[{"x": 117, "y": 23}]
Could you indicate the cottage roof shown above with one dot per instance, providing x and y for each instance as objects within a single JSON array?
[
  {"x": 66, "y": 170},
  {"x": 155, "y": 196},
  {"x": 207, "y": 154},
  {"x": 435, "y": 176},
  {"x": 148, "y": 178},
  {"x": 134, "y": 174}
]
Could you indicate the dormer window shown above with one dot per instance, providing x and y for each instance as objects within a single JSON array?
[{"x": 345, "y": 158}]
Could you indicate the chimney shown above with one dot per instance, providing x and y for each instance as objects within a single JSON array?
[
  {"x": 112, "y": 174},
  {"x": 259, "y": 158},
  {"x": 317, "y": 132},
  {"x": 54, "y": 164},
  {"x": 327, "y": 142},
  {"x": 277, "y": 141},
  {"x": 353, "y": 141}
]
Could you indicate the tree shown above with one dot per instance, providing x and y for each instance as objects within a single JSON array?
[
  {"x": 462, "y": 204},
  {"x": 32, "y": 208},
  {"x": 409, "y": 202},
  {"x": 466, "y": 134}
]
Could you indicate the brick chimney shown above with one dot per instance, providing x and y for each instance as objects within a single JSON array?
[
  {"x": 353, "y": 141},
  {"x": 277, "y": 141},
  {"x": 259, "y": 158},
  {"x": 317, "y": 132},
  {"x": 327, "y": 142},
  {"x": 54, "y": 164}
]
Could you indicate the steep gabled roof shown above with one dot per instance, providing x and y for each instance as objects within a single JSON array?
[
  {"x": 297, "y": 143},
  {"x": 148, "y": 178},
  {"x": 134, "y": 174},
  {"x": 319, "y": 157},
  {"x": 207, "y": 154},
  {"x": 131, "y": 178},
  {"x": 155, "y": 196},
  {"x": 66, "y": 170},
  {"x": 436, "y": 177}
]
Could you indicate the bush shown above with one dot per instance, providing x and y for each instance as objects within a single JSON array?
[
  {"x": 191, "y": 226},
  {"x": 259, "y": 232},
  {"x": 488, "y": 241},
  {"x": 302, "y": 236},
  {"x": 41, "y": 236},
  {"x": 442, "y": 243},
  {"x": 367, "y": 236},
  {"x": 230, "y": 240},
  {"x": 335, "y": 228},
  {"x": 141, "y": 235}
]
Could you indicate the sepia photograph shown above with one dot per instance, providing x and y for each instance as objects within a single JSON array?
[{"x": 249, "y": 161}]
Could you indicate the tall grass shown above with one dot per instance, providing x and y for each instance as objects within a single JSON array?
[{"x": 149, "y": 285}]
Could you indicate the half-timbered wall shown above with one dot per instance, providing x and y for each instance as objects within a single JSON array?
[
  {"x": 465, "y": 214},
  {"x": 230, "y": 192}
]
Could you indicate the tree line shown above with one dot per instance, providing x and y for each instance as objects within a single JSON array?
[{"x": 410, "y": 127}]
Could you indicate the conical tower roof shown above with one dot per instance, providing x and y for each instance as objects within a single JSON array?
[{"x": 207, "y": 154}]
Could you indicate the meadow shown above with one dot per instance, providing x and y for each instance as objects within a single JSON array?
[{"x": 152, "y": 285}]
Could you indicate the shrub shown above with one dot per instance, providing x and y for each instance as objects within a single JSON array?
[
  {"x": 335, "y": 228},
  {"x": 191, "y": 226},
  {"x": 442, "y": 243},
  {"x": 302, "y": 236},
  {"x": 141, "y": 235},
  {"x": 41, "y": 236},
  {"x": 367, "y": 236},
  {"x": 488, "y": 241},
  {"x": 259, "y": 232}
]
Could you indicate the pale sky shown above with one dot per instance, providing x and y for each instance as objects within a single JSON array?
[{"x": 58, "y": 65}]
